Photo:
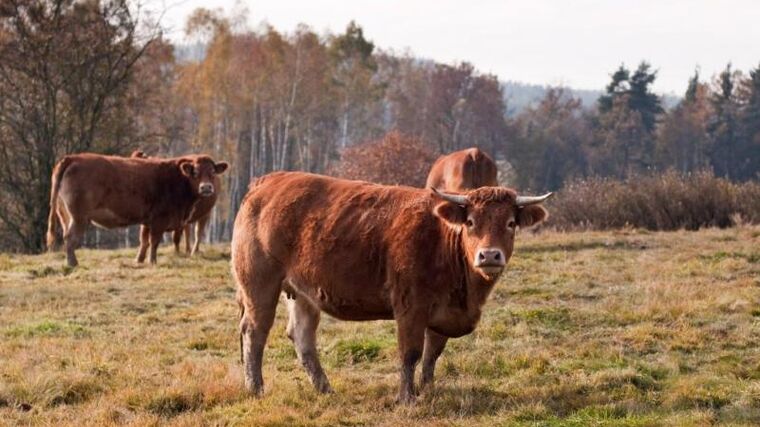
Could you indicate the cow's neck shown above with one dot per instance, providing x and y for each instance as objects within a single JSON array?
[{"x": 473, "y": 289}]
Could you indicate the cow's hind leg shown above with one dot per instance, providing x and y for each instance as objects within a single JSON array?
[
  {"x": 255, "y": 324},
  {"x": 259, "y": 280},
  {"x": 434, "y": 345},
  {"x": 302, "y": 330},
  {"x": 73, "y": 237}
]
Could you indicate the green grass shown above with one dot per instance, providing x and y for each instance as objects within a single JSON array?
[{"x": 622, "y": 328}]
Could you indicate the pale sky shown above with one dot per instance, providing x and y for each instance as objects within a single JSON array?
[{"x": 577, "y": 43}]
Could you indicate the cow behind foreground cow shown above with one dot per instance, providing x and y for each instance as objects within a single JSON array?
[
  {"x": 361, "y": 251},
  {"x": 463, "y": 170},
  {"x": 113, "y": 191},
  {"x": 200, "y": 217}
]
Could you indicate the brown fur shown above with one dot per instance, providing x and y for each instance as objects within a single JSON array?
[
  {"x": 361, "y": 251},
  {"x": 112, "y": 191},
  {"x": 463, "y": 170},
  {"x": 199, "y": 217}
]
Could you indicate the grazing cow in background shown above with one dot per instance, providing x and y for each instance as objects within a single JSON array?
[
  {"x": 463, "y": 170},
  {"x": 200, "y": 217},
  {"x": 113, "y": 191},
  {"x": 361, "y": 251}
]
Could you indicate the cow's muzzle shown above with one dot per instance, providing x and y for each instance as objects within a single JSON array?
[
  {"x": 490, "y": 260},
  {"x": 206, "y": 190}
]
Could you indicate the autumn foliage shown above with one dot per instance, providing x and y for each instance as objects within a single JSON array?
[{"x": 395, "y": 159}]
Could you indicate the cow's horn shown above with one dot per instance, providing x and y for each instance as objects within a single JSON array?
[
  {"x": 453, "y": 198},
  {"x": 532, "y": 200}
]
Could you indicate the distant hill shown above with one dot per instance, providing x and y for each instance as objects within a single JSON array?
[{"x": 520, "y": 96}]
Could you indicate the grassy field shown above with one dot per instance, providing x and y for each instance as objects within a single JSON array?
[{"x": 616, "y": 328}]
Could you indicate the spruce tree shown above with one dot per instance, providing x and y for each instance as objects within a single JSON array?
[
  {"x": 749, "y": 150},
  {"x": 724, "y": 126},
  {"x": 628, "y": 113}
]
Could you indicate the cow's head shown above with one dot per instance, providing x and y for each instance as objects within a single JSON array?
[
  {"x": 488, "y": 218},
  {"x": 201, "y": 171}
]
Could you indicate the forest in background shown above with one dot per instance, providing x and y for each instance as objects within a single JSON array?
[{"x": 92, "y": 76}]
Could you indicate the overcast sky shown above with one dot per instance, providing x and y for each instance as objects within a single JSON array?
[{"x": 577, "y": 43}]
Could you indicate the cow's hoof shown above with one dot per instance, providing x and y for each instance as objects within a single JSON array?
[
  {"x": 255, "y": 389},
  {"x": 325, "y": 389},
  {"x": 406, "y": 399}
]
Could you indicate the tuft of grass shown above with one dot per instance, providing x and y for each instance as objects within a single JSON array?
[
  {"x": 172, "y": 403},
  {"x": 75, "y": 392},
  {"x": 50, "y": 271},
  {"x": 46, "y": 328},
  {"x": 351, "y": 352},
  {"x": 700, "y": 393},
  {"x": 549, "y": 317}
]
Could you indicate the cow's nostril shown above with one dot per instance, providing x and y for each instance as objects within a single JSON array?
[
  {"x": 481, "y": 256},
  {"x": 497, "y": 256}
]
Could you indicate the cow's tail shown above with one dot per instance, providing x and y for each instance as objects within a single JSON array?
[
  {"x": 55, "y": 186},
  {"x": 239, "y": 299}
]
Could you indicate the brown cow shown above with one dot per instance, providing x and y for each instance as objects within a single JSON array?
[
  {"x": 463, "y": 170},
  {"x": 361, "y": 251},
  {"x": 200, "y": 216},
  {"x": 113, "y": 191}
]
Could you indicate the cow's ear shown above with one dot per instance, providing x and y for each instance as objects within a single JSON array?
[
  {"x": 187, "y": 169},
  {"x": 531, "y": 215},
  {"x": 451, "y": 212},
  {"x": 220, "y": 167}
]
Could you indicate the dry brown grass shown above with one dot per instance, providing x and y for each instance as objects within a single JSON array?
[{"x": 600, "y": 328}]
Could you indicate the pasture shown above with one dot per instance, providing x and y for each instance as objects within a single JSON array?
[{"x": 599, "y": 328}]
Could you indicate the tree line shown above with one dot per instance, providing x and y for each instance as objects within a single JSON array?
[{"x": 90, "y": 76}]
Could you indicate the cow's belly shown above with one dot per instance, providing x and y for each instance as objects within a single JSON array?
[
  {"x": 106, "y": 218},
  {"x": 345, "y": 303},
  {"x": 356, "y": 311}
]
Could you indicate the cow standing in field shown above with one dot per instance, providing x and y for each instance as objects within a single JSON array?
[
  {"x": 200, "y": 217},
  {"x": 361, "y": 251},
  {"x": 113, "y": 191},
  {"x": 463, "y": 170}
]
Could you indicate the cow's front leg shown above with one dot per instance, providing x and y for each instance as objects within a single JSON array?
[
  {"x": 434, "y": 345},
  {"x": 411, "y": 338},
  {"x": 200, "y": 227},
  {"x": 156, "y": 233},
  {"x": 187, "y": 238},
  {"x": 144, "y": 241},
  {"x": 177, "y": 238}
]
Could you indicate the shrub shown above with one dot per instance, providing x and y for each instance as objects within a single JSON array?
[
  {"x": 656, "y": 202},
  {"x": 396, "y": 159}
]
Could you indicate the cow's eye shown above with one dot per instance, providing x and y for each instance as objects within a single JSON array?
[
  {"x": 511, "y": 224},
  {"x": 469, "y": 222}
]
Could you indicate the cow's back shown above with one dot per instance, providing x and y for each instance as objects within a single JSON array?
[
  {"x": 333, "y": 238},
  {"x": 463, "y": 170}
]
